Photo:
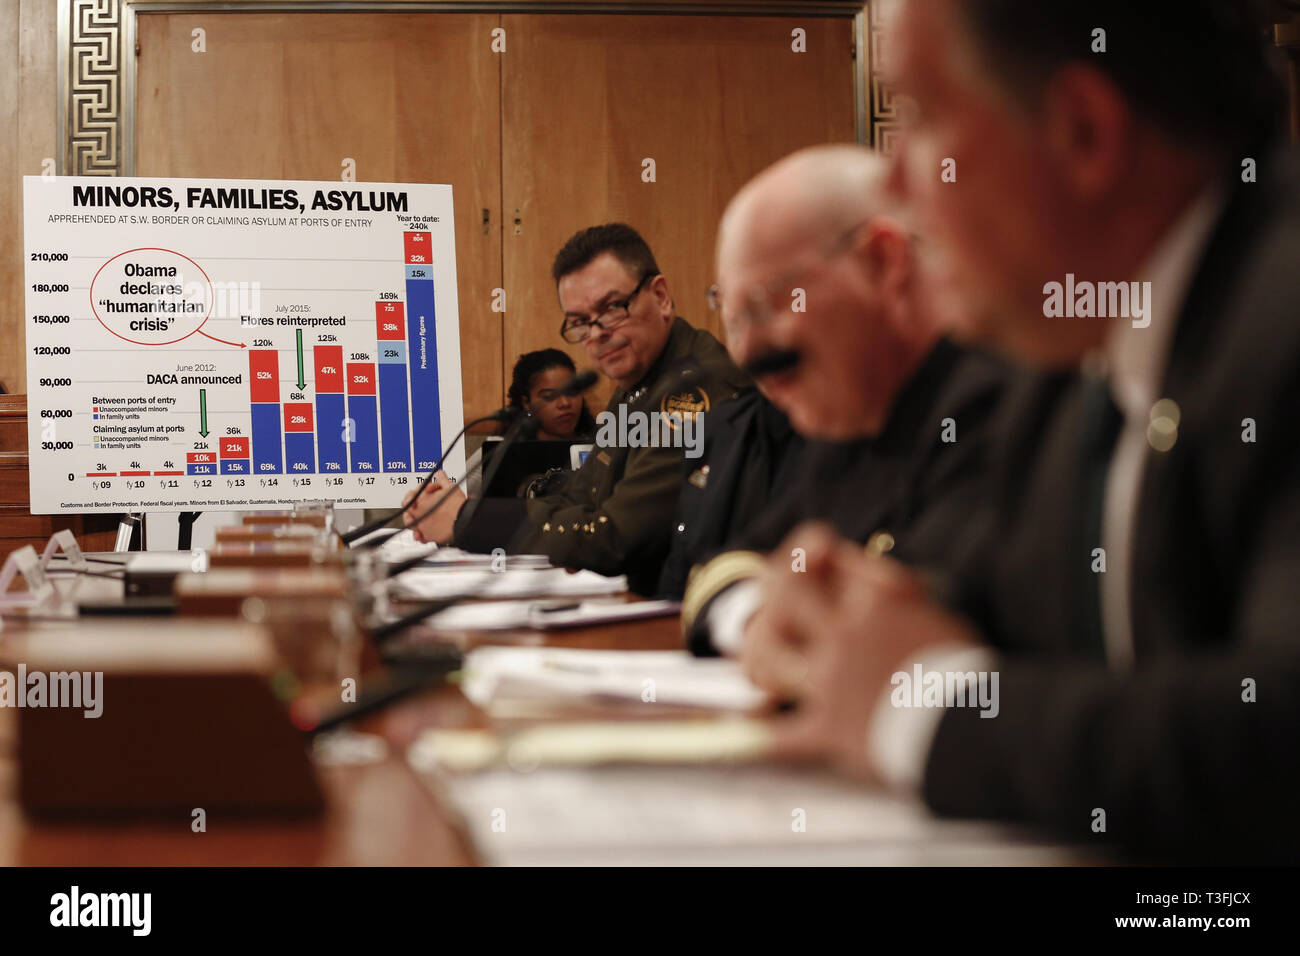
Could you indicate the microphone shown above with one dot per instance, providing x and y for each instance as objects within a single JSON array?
[
  {"x": 525, "y": 428},
  {"x": 580, "y": 383},
  {"x": 508, "y": 413},
  {"x": 770, "y": 363},
  {"x": 526, "y": 425},
  {"x": 675, "y": 377},
  {"x": 501, "y": 414},
  {"x": 408, "y": 675},
  {"x": 383, "y": 632}
]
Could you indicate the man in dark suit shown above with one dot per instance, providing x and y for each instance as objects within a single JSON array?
[
  {"x": 1131, "y": 600},
  {"x": 814, "y": 264}
]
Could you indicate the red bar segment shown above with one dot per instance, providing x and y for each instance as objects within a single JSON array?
[
  {"x": 391, "y": 320},
  {"x": 234, "y": 447},
  {"x": 329, "y": 369},
  {"x": 297, "y": 417},
  {"x": 361, "y": 378},
  {"x": 264, "y": 375},
  {"x": 201, "y": 458},
  {"x": 417, "y": 247}
]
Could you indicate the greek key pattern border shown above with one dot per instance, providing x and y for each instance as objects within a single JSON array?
[
  {"x": 884, "y": 114},
  {"x": 91, "y": 93}
]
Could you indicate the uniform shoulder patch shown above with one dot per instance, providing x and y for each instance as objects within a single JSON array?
[{"x": 687, "y": 402}]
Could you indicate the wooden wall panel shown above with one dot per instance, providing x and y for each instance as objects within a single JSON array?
[
  {"x": 11, "y": 209},
  {"x": 587, "y": 97},
  {"x": 28, "y": 62},
  {"x": 409, "y": 97},
  {"x": 712, "y": 100},
  {"x": 18, "y": 526}
]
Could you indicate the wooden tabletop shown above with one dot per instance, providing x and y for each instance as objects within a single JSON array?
[{"x": 379, "y": 813}]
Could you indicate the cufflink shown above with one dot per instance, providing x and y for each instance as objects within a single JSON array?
[
  {"x": 882, "y": 542},
  {"x": 1162, "y": 432}
]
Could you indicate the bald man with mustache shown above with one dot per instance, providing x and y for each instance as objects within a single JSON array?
[{"x": 815, "y": 263}]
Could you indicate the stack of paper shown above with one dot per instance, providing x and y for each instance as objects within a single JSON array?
[
  {"x": 652, "y": 678},
  {"x": 713, "y": 815},
  {"x": 434, "y": 584},
  {"x": 401, "y": 546},
  {"x": 547, "y": 615}
]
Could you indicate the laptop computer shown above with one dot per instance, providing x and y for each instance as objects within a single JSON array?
[{"x": 524, "y": 461}]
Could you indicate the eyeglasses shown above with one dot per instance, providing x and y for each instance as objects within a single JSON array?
[
  {"x": 577, "y": 329},
  {"x": 756, "y": 301}
]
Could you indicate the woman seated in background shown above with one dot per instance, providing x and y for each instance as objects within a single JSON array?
[{"x": 535, "y": 387}]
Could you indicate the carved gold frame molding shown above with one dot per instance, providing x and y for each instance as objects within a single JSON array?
[{"x": 97, "y": 50}]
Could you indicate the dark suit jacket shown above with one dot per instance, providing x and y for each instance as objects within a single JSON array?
[
  {"x": 1183, "y": 767},
  {"x": 908, "y": 487},
  {"x": 751, "y": 458}
]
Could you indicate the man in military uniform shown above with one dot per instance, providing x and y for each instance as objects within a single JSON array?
[
  {"x": 897, "y": 420},
  {"x": 614, "y": 515}
]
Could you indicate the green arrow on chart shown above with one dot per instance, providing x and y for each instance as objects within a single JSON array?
[
  {"x": 203, "y": 412},
  {"x": 302, "y": 382}
]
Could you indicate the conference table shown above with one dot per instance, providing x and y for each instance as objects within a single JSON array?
[{"x": 380, "y": 811}]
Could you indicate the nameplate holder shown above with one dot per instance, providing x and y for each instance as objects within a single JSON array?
[
  {"x": 28, "y": 563},
  {"x": 66, "y": 542},
  {"x": 157, "y": 723}
]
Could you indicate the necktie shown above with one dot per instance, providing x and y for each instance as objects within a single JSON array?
[{"x": 1100, "y": 430}]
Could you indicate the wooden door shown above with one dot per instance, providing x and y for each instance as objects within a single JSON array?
[
  {"x": 711, "y": 100},
  {"x": 407, "y": 97}
]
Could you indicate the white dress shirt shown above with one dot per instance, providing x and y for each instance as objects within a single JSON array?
[{"x": 729, "y": 614}]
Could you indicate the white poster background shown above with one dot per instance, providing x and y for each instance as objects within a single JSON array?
[{"x": 95, "y": 412}]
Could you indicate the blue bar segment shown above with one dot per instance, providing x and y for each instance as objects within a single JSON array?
[
  {"x": 365, "y": 433},
  {"x": 426, "y": 415},
  {"x": 393, "y": 417},
  {"x": 267, "y": 458},
  {"x": 237, "y": 467},
  {"x": 300, "y": 453},
  {"x": 330, "y": 426}
]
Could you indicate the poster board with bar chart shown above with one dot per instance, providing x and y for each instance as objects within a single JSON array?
[{"x": 237, "y": 344}]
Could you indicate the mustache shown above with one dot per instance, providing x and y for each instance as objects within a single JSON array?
[{"x": 770, "y": 363}]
